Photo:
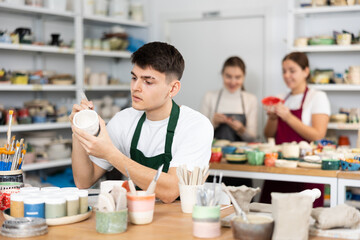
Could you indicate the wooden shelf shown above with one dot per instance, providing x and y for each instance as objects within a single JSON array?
[
  {"x": 111, "y": 20},
  {"x": 108, "y": 88},
  {"x": 327, "y": 48},
  {"x": 111, "y": 54},
  {"x": 36, "y": 87},
  {"x": 36, "y": 48},
  {"x": 35, "y": 127},
  {"x": 326, "y": 9},
  {"x": 34, "y": 10},
  {"x": 344, "y": 126},
  {"x": 353, "y": 175},
  {"x": 336, "y": 87},
  {"x": 45, "y": 165}
]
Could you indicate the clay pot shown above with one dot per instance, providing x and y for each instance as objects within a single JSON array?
[{"x": 260, "y": 227}]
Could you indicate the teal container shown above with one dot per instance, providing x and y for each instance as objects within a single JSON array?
[
  {"x": 111, "y": 222},
  {"x": 255, "y": 157},
  {"x": 330, "y": 164}
]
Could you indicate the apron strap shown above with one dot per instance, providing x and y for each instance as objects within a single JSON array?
[
  {"x": 303, "y": 99},
  {"x": 174, "y": 117},
  {"x": 136, "y": 136}
]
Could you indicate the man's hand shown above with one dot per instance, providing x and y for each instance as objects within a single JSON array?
[
  {"x": 100, "y": 146},
  {"x": 77, "y": 108}
]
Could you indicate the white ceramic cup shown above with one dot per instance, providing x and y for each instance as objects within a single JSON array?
[
  {"x": 188, "y": 197},
  {"x": 88, "y": 121}
]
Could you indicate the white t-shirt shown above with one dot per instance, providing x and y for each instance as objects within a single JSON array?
[
  {"x": 316, "y": 102},
  {"x": 191, "y": 143},
  {"x": 232, "y": 103}
]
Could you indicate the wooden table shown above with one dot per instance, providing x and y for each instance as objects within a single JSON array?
[
  {"x": 168, "y": 223},
  {"x": 281, "y": 174}
]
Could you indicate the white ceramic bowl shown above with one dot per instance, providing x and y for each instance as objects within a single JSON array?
[{"x": 88, "y": 121}]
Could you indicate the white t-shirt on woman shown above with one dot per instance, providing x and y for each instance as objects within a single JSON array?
[{"x": 316, "y": 102}]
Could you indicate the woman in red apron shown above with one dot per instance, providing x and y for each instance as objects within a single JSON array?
[{"x": 286, "y": 123}]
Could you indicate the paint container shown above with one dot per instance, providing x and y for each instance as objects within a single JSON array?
[
  {"x": 30, "y": 190},
  {"x": 83, "y": 198},
  {"x": 206, "y": 221},
  {"x": 10, "y": 183},
  {"x": 188, "y": 197},
  {"x": 71, "y": 189},
  {"x": 55, "y": 207},
  {"x": 17, "y": 205},
  {"x": 34, "y": 207},
  {"x": 141, "y": 207},
  {"x": 111, "y": 222},
  {"x": 50, "y": 189},
  {"x": 72, "y": 203}
]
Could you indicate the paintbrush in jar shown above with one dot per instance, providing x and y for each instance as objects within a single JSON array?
[{"x": 11, "y": 112}]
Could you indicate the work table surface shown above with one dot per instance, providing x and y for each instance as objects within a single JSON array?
[
  {"x": 278, "y": 170},
  {"x": 168, "y": 223}
]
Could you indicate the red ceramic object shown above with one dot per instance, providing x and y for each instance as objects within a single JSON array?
[
  {"x": 269, "y": 101},
  {"x": 216, "y": 157},
  {"x": 343, "y": 141}
]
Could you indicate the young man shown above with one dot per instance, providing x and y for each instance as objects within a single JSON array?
[{"x": 153, "y": 132}]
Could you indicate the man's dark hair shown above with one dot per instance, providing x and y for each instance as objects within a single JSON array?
[{"x": 161, "y": 57}]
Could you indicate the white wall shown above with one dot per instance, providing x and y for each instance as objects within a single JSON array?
[{"x": 161, "y": 10}]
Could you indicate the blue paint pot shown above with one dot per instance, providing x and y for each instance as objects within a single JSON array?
[{"x": 34, "y": 207}]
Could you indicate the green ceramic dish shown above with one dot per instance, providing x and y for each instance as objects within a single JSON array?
[
  {"x": 321, "y": 41},
  {"x": 330, "y": 164},
  {"x": 255, "y": 157},
  {"x": 111, "y": 222}
]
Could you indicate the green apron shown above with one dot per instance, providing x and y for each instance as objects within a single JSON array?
[{"x": 156, "y": 161}]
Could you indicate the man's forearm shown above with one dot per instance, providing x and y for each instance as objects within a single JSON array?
[{"x": 83, "y": 169}]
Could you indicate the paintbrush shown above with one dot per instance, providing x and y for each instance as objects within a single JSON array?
[
  {"x": 151, "y": 188},
  {"x": 83, "y": 97},
  {"x": 9, "y": 128}
]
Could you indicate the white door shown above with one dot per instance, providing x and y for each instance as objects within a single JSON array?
[{"x": 206, "y": 43}]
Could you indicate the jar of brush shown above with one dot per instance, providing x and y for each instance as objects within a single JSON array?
[{"x": 11, "y": 160}]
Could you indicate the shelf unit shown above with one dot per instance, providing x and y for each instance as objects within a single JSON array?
[
  {"x": 46, "y": 165},
  {"x": 336, "y": 87},
  {"x": 310, "y": 20},
  {"x": 78, "y": 54}
]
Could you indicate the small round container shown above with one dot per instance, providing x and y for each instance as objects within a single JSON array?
[
  {"x": 17, "y": 205},
  {"x": 30, "y": 190},
  {"x": 83, "y": 198},
  {"x": 330, "y": 164},
  {"x": 87, "y": 120},
  {"x": 255, "y": 157},
  {"x": 34, "y": 207},
  {"x": 72, "y": 203},
  {"x": 111, "y": 222},
  {"x": 228, "y": 149},
  {"x": 50, "y": 189},
  {"x": 55, "y": 207},
  {"x": 141, "y": 207},
  {"x": 206, "y": 221},
  {"x": 258, "y": 227}
]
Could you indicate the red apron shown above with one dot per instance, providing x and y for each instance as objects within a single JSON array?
[{"x": 285, "y": 133}]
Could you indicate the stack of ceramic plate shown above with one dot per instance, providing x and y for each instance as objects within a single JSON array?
[
  {"x": 24, "y": 227},
  {"x": 236, "y": 158},
  {"x": 312, "y": 161}
]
